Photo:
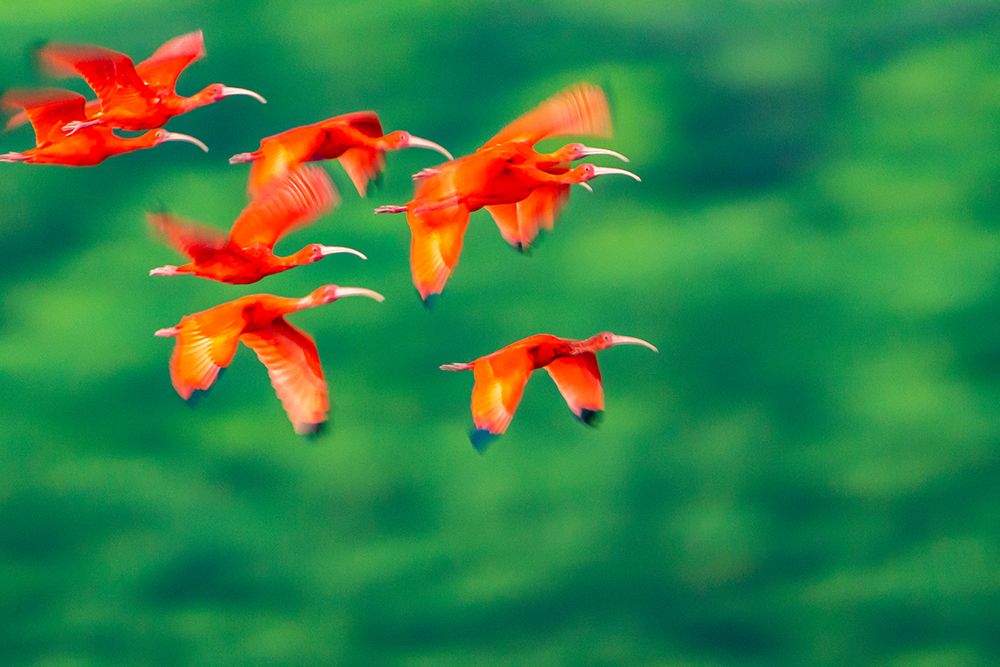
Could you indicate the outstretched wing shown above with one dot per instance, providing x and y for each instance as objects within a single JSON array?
[
  {"x": 579, "y": 381},
  {"x": 435, "y": 246},
  {"x": 166, "y": 64},
  {"x": 580, "y": 109},
  {"x": 500, "y": 379},
  {"x": 111, "y": 74},
  {"x": 293, "y": 201},
  {"x": 206, "y": 343},
  {"x": 362, "y": 164},
  {"x": 189, "y": 238},
  {"x": 365, "y": 122},
  {"x": 48, "y": 109},
  {"x": 540, "y": 210},
  {"x": 292, "y": 363}
]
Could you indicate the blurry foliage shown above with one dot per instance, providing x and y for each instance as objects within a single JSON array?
[{"x": 806, "y": 474}]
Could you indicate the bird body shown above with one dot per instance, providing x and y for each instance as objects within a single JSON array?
[
  {"x": 130, "y": 96},
  {"x": 207, "y": 342},
  {"x": 356, "y": 139},
  {"x": 246, "y": 254},
  {"x": 500, "y": 378},
  {"x": 49, "y": 109}
]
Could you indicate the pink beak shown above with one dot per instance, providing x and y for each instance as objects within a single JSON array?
[
  {"x": 604, "y": 171},
  {"x": 588, "y": 150},
  {"x": 229, "y": 90},
  {"x": 177, "y": 136},
  {"x": 337, "y": 249},
  {"x": 359, "y": 291},
  {"x": 417, "y": 142},
  {"x": 629, "y": 340}
]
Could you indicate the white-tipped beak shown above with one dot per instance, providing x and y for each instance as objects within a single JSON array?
[
  {"x": 177, "y": 136},
  {"x": 229, "y": 90},
  {"x": 604, "y": 171},
  {"x": 589, "y": 150},
  {"x": 586, "y": 186},
  {"x": 417, "y": 142},
  {"x": 337, "y": 249},
  {"x": 629, "y": 340},
  {"x": 359, "y": 291}
]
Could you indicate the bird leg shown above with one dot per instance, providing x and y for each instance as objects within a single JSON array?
[
  {"x": 391, "y": 209},
  {"x": 75, "y": 126},
  {"x": 240, "y": 158},
  {"x": 168, "y": 270},
  {"x": 168, "y": 332},
  {"x": 13, "y": 156},
  {"x": 460, "y": 366}
]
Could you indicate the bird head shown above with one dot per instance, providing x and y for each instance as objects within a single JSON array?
[
  {"x": 330, "y": 293},
  {"x": 157, "y": 137},
  {"x": 401, "y": 139},
  {"x": 606, "y": 339}
]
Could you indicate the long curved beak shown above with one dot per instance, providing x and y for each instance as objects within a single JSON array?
[
  {"x": 417, "y": 142},
  {"x": 177, "y": 136},
  {"x": 229, "y": 90},
  {"x": 629, "y": 340},
  {"x": 338, "y": 249},
  {"x": 359, "y": 291},
  {"x": 604, "y": 171},
  {"x": 590, "y": 150},
  {"x": 585, "y": 186}
]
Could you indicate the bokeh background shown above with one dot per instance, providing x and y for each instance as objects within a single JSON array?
[{"x": 806, "y": 474}]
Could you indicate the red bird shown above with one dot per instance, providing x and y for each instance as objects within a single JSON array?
[
  {"x": 355, "y": 138},
  {"x": 246, "y": 254},
  {"x": 207, "y": 341},
  {"x": 130, "y": 96},
  {"x": 500, "y": 378},
  {"x": 523, "y": 189},
  {"x": 49, "y": 109}
]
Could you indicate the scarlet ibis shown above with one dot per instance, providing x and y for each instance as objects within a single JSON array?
[
  {"x": 49, "y": 109},
  {"x": 500, "y": 378},
  {"x": 207, "y": 341},
  {"x": 437, "y": 224},
  {"x": 356, "y": 139},
  {"x": 130, "y": 96},
  {"x": 246, "y": 254}
]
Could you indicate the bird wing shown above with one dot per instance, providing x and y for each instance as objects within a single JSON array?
[
  {"x": 206, "y": 343},
  {"x": 294, "y": 201},
  {"x": 47, "y": 109},
  {"x": 579, "y": 381},
  {"x": 189, "y": 238},
  {"x": 111, "y": 74},
  {"x": 505, "y": 215},
  {"x": 292, "y": 363},
  {"x": 499, "y": 385},
  {"x": 362, "y": 164},
  {"x": 365, "y": 122},
  {"x": 580, "y": 109},
  {"x": 540, "y": 210},
  {"x": 166, "y": 64},
  {"x": 436, "y": 244}
]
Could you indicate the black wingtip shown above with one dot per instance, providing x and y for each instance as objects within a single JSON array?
[
  {"x": 429, "y": 301},
  {"x": 198, "y": 394},
  {"x": 590, "y": 417},
  {"x": 481, "y": 439},
  {"x": 312, "y": 432}
]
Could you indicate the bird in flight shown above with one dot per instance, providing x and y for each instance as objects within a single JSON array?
[
  {"x": 246, "y": 253},
  {"x": 500, "y": 378},
  {"x": 207, "y": 342},
  {"x": 49, "y": 109},
  {"x": 130, "y": 96},
  {"x": 356, "y": 139},
  {"x": 522, "y": 189}
]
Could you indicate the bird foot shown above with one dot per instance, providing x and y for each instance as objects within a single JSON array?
[
  {"x": 13, "y": 157},
  {"x": 240, "y": 158},
  {"x": 168, "y": 270},
  {"x": 425, "y": 173},
  {"x": 390, "y": 209},
  {"x": 75, "y": 126},
  {"x": 168, "y": 332}
]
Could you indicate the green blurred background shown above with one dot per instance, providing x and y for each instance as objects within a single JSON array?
[{"x": 806, "y": 473}]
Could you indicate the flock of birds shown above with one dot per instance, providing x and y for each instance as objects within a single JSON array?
[{"x": 522, "y": 189}]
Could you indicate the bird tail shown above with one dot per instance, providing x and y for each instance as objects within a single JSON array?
[{"x": 460, "y": 366}]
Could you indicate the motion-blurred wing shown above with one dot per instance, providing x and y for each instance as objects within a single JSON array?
[
  {"x": 435, "y": 246},
  {"x": 579, "y": 382},
  {"x": 188, "y": 238},
  {"x": 500, "y": 379},
  {"x": 505, "y": 215},
  {"x": 111, "y": 74},
  {"x": 580, "y": 109},
  {"x": 365, "y": 122},
  {"x": 294, "y": 201},
  {"x": 292, "y": 363},
  {"x": 166, "y": 64},
  {"x": 206, "y": 344},
  {"x": 362, "y": 164},
  {"x": 48, "y": 109},
  {"x": 540, "y": 210}
]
